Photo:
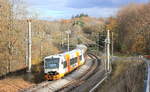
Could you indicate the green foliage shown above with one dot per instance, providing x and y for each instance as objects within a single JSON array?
[
  {"x": 80, "y": 23},
  {"x": 80, "y": 15}
]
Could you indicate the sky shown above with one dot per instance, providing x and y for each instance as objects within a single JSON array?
[{"x": 65, "y": 9}]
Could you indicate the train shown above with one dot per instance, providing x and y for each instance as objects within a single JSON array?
[{"x": 57, "y": 66}]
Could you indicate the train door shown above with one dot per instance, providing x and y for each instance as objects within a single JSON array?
[
  {"x": 82, "y": 57},
  {"x": 78, "y": 58},
  {"x": 61, "y": 69},
  {"x": 67, "y": 57}
]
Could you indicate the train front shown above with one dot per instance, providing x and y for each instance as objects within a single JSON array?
[{"x": 51, "y": 68}]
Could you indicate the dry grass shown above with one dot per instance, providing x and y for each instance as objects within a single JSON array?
[
  {"x": 121, "y": 66},
  {"x": 127, "y": 76},
  {"x": 13, "y": 84}
]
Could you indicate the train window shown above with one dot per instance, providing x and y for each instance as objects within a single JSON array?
[
  {"x": 65, "y": 64},
  {"x": 80, "y": 57},
  {"x": 52, "y": 63},
  {"x": 73, "y": 61}
]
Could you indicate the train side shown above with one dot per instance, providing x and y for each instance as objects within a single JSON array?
[{"x": 56, "y": 66}]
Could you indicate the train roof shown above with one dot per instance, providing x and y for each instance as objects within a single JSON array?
[
  {"x": 63, "y": 54},
  {"x": 79, "y": 48},
  {"x": 70, "y": 52}
]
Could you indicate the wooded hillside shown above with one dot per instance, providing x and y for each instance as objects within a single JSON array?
[
  {"x": 132, "y": 29},
  {"x": 47, "y": 37}
]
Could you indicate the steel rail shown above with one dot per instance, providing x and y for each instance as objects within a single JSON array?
[
  {"x": 46, "y": 84},
  {"x": 83, "y": 79}
]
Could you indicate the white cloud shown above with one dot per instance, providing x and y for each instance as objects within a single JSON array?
[
  {"x": 57, "y": 9},
  {"x": 96, "y": 11}
]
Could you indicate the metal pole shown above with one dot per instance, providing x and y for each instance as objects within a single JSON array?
[
  {"x": 108, "y": 49},
  {"x": 27, "y": 50},
  {"x": 112, "y": 45},
  {"x": 105, "y": 55},
  {"x": 68, "y": 41},
  {"x": 68, "y": 33},
  {"x": 62, "y": 39},
  {"x": 29, "y": 45}
]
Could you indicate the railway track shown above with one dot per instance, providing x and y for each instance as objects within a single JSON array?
[
  {"x": 71, "y": 86},
  {"x": 71, "y": 81},
  {"x": 91, "y": 82}
]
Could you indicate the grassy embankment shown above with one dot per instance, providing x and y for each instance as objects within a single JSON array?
[{"x": 127, "y": 76}]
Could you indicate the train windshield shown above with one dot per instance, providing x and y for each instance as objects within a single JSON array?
[{"x": 52, "y": 63}]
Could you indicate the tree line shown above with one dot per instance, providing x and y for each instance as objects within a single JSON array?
[
  {"x": 47, "y": 37},
  {"x": 132, "y": 29}
]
